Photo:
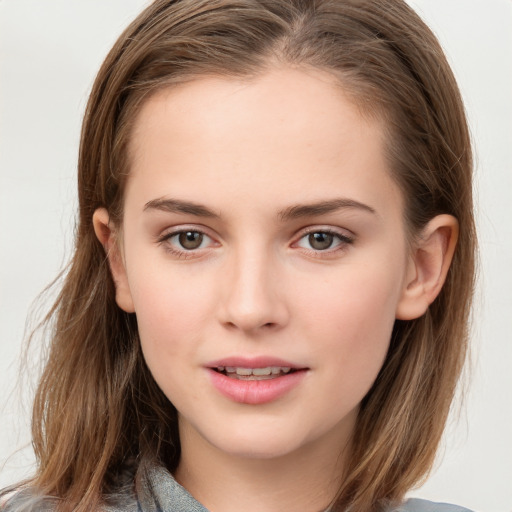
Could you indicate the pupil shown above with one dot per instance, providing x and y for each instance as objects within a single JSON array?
[
  {"x": 320, "y": 241},
  {"x": 190, "y": 239}
]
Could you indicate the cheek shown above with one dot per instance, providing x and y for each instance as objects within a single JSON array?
[
  {"x": 170, "y": 320},
  {"x": 358, "y": 300},
  {"x": 352, "y": 320},
  {"x": 171, "y": 312}
]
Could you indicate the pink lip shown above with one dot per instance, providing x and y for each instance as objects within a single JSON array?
[
  {"x": 252, "y": 362},
  {"x": 254, "y": 392}
]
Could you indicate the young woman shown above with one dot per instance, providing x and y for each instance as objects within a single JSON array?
[{"x": 268, "y": 301}]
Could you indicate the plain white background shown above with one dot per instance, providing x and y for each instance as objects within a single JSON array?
[{"x": 50, "y": 51}]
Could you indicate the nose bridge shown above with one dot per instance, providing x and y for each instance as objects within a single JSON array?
[{"x": 252, "y": 297}]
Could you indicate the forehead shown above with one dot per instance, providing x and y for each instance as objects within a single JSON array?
[
  {"x": 306, "y": 100},
  {"x": 286, "y": 130}
]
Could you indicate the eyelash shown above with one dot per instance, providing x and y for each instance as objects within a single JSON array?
[
  {"x": 166, "y": 241},
  {"x": 342, "y": 242}
]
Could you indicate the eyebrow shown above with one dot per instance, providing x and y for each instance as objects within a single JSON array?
[
  {"x": 179, "y": 206},
  {"x": 292, "y": 212},
  {"x": 322, "y": 208}
]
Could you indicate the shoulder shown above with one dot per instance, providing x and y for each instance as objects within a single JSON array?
[
  {"x": 417, "y": 505},
  {"x": 7, "y": 499},
  {"x": 26, "y": 501}
]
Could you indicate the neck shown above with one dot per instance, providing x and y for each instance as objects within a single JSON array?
[{"x": 305, "y": 480}]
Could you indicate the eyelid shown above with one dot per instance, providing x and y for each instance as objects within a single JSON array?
[
  {"x": 180, "y": 228},
  {"x": 322, "y": 228}
]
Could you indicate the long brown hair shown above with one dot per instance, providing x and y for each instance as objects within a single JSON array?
[{"x": 97, "y": 408}]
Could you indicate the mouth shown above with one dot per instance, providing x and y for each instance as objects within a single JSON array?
[
  {"x": 255, "y": 380},
  {"x": 255, "y": 384},
  {"x": 266, "y": 373}
]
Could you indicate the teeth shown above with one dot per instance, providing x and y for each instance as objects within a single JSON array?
[
  {"x": 262, "y": 371},
  {"x": 258, "y": 372}
]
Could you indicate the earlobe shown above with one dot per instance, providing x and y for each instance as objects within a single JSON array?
[
  {"x": 428, "y": 266},
  {"x": 107, "y": 237}
]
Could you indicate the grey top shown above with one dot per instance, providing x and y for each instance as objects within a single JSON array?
[
  {"x": 167, "y": 495},
  {"x": 160, "y": 492},
  {"x": 417, "y": 505}
]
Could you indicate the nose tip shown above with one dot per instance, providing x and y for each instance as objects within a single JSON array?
[
  {"x": 250, "y": 321},
  {"x": 254, "y": 301}
]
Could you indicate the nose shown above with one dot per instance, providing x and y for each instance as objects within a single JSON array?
[{"x": 254, "y": 294}]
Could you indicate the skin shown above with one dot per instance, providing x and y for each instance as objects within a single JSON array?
[{"x": 254, "y": 153}]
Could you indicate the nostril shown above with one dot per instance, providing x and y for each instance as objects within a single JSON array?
[{"x": 249, "y": 324}]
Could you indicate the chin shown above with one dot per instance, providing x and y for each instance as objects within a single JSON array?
[
  {"x": 259, "y": 450},
  {"x": 258, "y": 443}
]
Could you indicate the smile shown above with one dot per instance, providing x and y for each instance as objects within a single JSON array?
[
  {"x": 255, "y": 381},
  {"x": 240, "y": 373}
]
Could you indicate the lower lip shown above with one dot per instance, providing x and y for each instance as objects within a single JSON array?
[{"x": 255, "y": 392}]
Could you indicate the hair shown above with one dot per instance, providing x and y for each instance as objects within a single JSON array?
[{"x": 97, "y": 409}]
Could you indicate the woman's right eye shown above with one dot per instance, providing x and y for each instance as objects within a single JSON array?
[{"x": 186, "y": 240}]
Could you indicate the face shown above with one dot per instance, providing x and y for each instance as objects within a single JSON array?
[{"x": 264, "y": 255}]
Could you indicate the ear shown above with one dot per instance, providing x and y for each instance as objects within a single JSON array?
[
  {"x": 428, "y": 265},
  {"x": 107, "y": 236}
]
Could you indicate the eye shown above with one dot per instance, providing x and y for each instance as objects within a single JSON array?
[
  {"x": 186, "y": 240},
  {"x": 189, "y": 240},
  {"x": 322, "y": 240}
]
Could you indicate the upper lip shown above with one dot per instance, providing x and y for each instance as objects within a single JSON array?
[{"x": 253, "y": 362}]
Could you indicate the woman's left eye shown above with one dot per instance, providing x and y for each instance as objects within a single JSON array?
[{"x": 323, "y": 240}]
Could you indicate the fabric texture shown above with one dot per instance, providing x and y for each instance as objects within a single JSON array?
[
  {"x": 417, "y": 505},
  {"x": 158, "y": 491},
  {"x": 161, "y": 493}
]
